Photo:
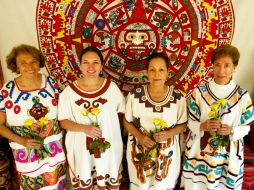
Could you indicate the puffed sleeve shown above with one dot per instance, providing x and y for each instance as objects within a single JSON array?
[
  {"x": 120, "y": 99},
  {"x": 181, "y": 110},
  {"x": 64, "y": 105},
  {"x": 129, "y": 107}
]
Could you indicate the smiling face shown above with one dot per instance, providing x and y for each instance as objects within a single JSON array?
[
  {"x": 27, "y": 65},
  {"x": 91, "y": 65},
  {"x": 223, "y": 69},
  {"x": 157, "y": 72}
]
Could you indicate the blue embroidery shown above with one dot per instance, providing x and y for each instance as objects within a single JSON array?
[
  {"x": 44, "y": 93},
  {"x": 1, "y": 98},
  {"x": 51, "y": 83},
  {"x": 247, "y": 115},
  {"x": 203, "y": 88},
  {"x": 25, "y": 97},
  {"x": 10, "y": 85},
  {"x": 194, "y": 107}
]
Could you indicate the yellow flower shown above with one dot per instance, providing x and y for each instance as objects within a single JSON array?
[
  {"x": 95, "y": 111},
  {"x": 153, "y": 153},
  {"x": 214, "y": 163},
  {"x": 29, "y": 122},
  {"x": 163, "y": 124},
  {"x": 43, "y": 120},
  {"x": 156, "y": 121},
  {"x": 84, "y": 112},
  {"x": 212, "y": 114},
  {"x": 222, "y": 102},
  {"x": 215, "y": 107}
]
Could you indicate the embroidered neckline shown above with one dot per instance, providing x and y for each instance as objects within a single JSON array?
[
  {"x": 90, "y": 94},
  {"x": 142, "y": 94},
  {"x": 162, "y": 102}
]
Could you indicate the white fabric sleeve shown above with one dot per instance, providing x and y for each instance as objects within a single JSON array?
[
  {"x": 194, "y": 126},
  {"x": 194, "y": 114},
  {"x": 64, "y": 105},
  {"x": 181, "y": 111},
  {"x": 246, "y": 119},
  {"x": 129, "y": 108},
  {"x": 120, "y": 98},
  {"x": 239, "y": 132}
]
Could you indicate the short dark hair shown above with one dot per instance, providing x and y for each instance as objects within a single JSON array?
[
  {"x": 23, "y": 48},
  {"x": 226, "y": 50},
  {"x": 157, "y": 55},
  {"x": 91, "y": 49}
]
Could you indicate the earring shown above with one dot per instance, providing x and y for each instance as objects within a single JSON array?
[{"x": 101, "y": 74}]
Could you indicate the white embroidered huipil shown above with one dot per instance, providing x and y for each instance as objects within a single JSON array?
[
  {"x": 85, "y": 169},
  {"x": 39, "y": 107},
  {"x": 163, "y": 170},
  {"x": 206, "y": 166}
]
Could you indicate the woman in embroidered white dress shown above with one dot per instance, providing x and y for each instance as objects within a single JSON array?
[
  {"x": 155, "y": 116},
  {"x": 88, "y": 110},
  {"x": 28, "y": 118},
  {"x": 214, "y": 150}
]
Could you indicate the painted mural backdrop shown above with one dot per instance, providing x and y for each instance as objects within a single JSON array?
[{"x": 128, "y": 31}]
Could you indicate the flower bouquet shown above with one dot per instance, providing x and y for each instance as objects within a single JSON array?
[
  {"x": 38, "y": 130},
  {"x": 215, "y": 114},
  {"x": 159, "y": 125},
  {"x": 95, "y": 146}
]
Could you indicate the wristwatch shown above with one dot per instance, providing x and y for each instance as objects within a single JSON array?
[{"x": 232, "y": 131}]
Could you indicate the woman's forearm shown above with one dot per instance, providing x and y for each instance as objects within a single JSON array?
[
  {"x": 177, "y": 129},
  {"x": 71, "y": 125},
  {"x": 7, "y": 133}
]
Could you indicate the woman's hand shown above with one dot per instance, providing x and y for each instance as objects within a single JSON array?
[
  {"x": 224, "y": 130},
  {"x": 210, "y": 125},
  {"x": 92, "y": 131},
  {"x": 146, "y": 142},
  {"x": 30, "y": 143},
  {"x": 161, "y": 136}
]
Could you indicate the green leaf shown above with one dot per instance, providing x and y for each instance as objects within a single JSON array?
[{"x": 44, "y": 154}]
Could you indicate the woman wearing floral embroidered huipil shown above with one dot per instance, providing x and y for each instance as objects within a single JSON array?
[
  {"x": 220, "y": 113},
  {"x": 88, "y": 110},
  {"x": 155, "y": 116},
  {"x": 28, "y": 118}
]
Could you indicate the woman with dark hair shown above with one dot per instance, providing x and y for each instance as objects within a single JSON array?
[
  {"x": 88, "y": 110},
  {"x": 220, "y": 114},
  {"x": 155, "y": 116},
  {"x": 28, "y": 118}
]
